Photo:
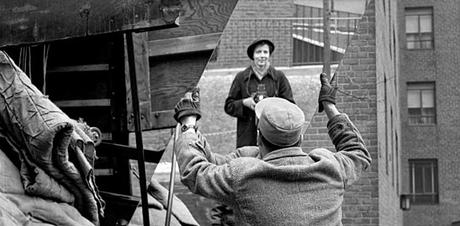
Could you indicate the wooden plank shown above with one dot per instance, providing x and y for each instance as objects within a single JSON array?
[
  {"x": 143, "y": 86},
  {"x": 199, "y": 17},
  {"x": 162, "y": 119},
  {"x": 172, "y": 76},
  {"x": 83, "y": 103},
  {"x": 184, "y": 44},
  {"x": 118, "y": 150},
  {"x": 34, "y": 21},
  {"x": 79, "y": 68}
]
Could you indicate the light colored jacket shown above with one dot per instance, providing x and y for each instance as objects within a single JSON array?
[{"x": 286, "y": 186}]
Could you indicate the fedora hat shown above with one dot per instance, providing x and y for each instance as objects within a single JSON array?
[
  {"x": 280, "y": 121},
  {"x": 254, "y": 44}
]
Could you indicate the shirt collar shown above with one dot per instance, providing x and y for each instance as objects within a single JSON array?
[
  {"x": 284, "y": 152},
  {"x": 270, "y": 72}
]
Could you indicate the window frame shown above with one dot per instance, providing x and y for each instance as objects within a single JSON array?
[
  {"x": 424, "y": 198},
  {"x": 417, "y": 120},
  {"x": 419, "y": 36}
]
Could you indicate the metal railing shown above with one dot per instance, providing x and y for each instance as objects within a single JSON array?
[{"x": 301, "y": 38}]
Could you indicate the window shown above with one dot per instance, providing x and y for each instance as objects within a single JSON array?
[
  {"x": 424, "y": 181},
  {"x": 419, "y": 28},
  {"x": 421, "y": 103}
]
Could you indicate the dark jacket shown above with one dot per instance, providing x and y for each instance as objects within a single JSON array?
[
  {"x": 285, "y": 187},
  {"x": 243, "y": 86}
]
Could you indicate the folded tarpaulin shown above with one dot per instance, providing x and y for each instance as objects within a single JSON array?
[
  {"x": 18, "y": 208},
  {"x": 49, "y": 143}
]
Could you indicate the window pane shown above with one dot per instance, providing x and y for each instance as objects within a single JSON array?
[
  {"x": 428, "y": 98},
  {"x": 410, "y": 39},
  {"x": 426, "y": 45},
  {"x": 413, "y": 99},
  {"x": 423, "y": 181},
  {"x": 425, "y": 23},
  {"x": 418, "y": 179},
  {"x": 415, "y": 111},
  {"x": 426, "y": 37},
  {"x": 428, "y": 180},
  {"x": 427, "y": 111},
  {"x": 412, "y": 24}
]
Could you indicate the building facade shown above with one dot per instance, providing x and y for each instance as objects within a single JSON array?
[
  {"x": 429, "y": 101},
  {"x": 368, "y": 81}
]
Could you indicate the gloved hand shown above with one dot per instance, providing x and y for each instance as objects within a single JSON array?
[
  {"x": 189, "y": 105},
  {"x": 327, "y": 92}
]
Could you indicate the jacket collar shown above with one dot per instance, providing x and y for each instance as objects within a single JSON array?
[
  {"x": 284, "y": 152},
  {"x": 270, "y": 72}
]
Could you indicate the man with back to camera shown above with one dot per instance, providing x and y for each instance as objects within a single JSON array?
[
  {"x": 275, "y": 183},
  {"x": 257, "y": 81}
]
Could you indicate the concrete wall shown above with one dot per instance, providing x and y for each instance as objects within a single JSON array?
[
  {"x": 438, "y": 141},
  {"x": 388, "y": 120}
]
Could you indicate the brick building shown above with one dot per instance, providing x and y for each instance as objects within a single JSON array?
[
  {"x": 429, "y": 101},
  {"x": 367, "y": 77}
]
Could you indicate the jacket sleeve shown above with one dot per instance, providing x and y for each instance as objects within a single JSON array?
[
  {"x": 234, "y": 102},
  {"x": 198, "y": 174},
  {"x": 352, "y": 153},
  {"x": 284, "y": 89}
]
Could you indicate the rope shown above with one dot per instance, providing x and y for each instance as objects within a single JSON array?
[
  {"x": 220, "y": 133},
  {"x": 46, "y": 49}
]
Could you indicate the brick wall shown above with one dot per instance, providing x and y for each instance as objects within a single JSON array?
[
  {"x": 255, "y": 19},
  {"x": 373, "y": 200},
  {"x": 438, "y": 141}
]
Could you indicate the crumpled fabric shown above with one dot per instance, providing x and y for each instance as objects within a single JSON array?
[
  {"x": 158, "y": 203},
  {"x": 18, "y": 208},
  {"x": 52, "y": 148}
]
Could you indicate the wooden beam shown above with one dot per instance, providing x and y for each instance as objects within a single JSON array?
[
  {"x": 83, "y": 103},
  {"x": 141, "y": 58},
  {"x": 184, "y": 44},
  {"x": 32, "y": 21},
  {"x": 119, "y": 150},
  {"x": 80, "y": 68}
]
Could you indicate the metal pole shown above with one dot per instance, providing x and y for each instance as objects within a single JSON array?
[
  {"x": 327, "y": 44},
  {"x": 172, "y": 177},
  {"x": 137, "y": 127}
]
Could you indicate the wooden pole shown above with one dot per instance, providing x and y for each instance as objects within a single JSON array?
[
  {"x": 137, "y": 127},
  {"x": 326, "y": 40}
]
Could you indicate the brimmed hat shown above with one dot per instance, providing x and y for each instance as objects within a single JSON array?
[
  {"x": 254, "y": 44},
  {"x": 280, "y": 121}
]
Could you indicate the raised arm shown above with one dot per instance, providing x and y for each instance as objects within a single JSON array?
[{"x": 352, "y": 153}]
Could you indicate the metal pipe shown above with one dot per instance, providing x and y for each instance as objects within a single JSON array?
[
  {"x": 172, "y": 177},
  {"x": 137, "y": 127},
  {"x": 326, "y": 41}
]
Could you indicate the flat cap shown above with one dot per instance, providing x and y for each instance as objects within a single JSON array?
[{"x": 280, "y": 121}]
